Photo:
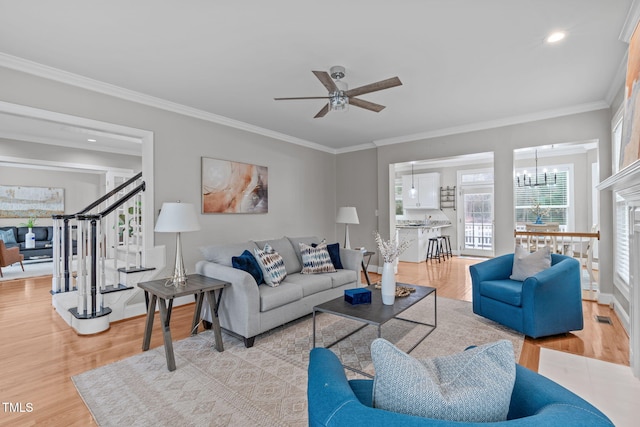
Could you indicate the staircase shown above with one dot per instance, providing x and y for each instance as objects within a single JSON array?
[{"x": 99, "y": 256}]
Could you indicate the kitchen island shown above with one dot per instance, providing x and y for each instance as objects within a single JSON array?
[{"x": 419, "y": 235}]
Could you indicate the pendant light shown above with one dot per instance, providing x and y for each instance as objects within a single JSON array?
[
  {"x": 413, "y": 192},
  {"x": 528, "y": 182}
]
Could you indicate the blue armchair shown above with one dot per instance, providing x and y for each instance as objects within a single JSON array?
[
  {"x": 535, "y": 401},
  {"x": 548, "y": 303}
]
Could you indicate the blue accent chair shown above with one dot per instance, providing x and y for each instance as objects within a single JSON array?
[
  {"x": 535, "y": 401},
  {"x": 548, "y": 303}
]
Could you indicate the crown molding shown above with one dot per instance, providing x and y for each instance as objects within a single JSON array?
[
  {"x": 353, "y": 148},
  {"x": 33, "y": 68},
  {"x": 629, "y": 26},
  {"x": 473, "y": 127}
]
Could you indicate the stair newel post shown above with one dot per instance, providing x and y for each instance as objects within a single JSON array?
[
  {"x": 65, "y": 254},
  {"x": 81, "y": 269},
  {"x": 56, "y": 281},
  {"x": 94, "y": 270}
]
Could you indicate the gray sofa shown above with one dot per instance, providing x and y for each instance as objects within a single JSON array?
[{"x": 247, "y": 309}]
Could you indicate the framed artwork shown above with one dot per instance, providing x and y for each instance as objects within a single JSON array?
[
  {"x": 234, "y": 187},
  {"x": 26, "y": 202},
  {"x": 630, "y": 145}
]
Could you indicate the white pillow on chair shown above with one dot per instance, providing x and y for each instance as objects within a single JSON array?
[{"x": 527, "y": 264}]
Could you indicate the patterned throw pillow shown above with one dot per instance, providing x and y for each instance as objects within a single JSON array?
[
  {"x": 271, "y": 264},
  {"x": 316, "y": 260},
  {"x": 472, "y": 386},
  {"x": 247, "y": 262},
  {"x": 334, "y": 253}
]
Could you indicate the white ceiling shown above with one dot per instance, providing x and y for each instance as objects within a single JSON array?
[{"x": 464, "y": 64}]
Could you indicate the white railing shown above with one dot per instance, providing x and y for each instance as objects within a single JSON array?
[{"x": 574, "y": 244}]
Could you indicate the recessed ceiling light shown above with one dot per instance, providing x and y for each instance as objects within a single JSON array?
[
  {"x": 556, "y": 37},
  {"x": 91, "y": 140}
]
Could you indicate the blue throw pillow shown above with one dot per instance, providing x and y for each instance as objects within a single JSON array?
[
  {"x": 334, "y": 254},
  {"x": 7, "y": 236},
  {"x": 247, "y": 262}
]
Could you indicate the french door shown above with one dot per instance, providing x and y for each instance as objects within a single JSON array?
[{"x": 475, "y": 221}]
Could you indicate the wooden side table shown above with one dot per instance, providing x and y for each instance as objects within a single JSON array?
[
  {"x": 365, "y": 267},
  {"x": 161, "y": 293}
]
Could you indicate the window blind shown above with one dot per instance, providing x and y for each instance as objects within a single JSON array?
[{"x": 621, "y": 258}]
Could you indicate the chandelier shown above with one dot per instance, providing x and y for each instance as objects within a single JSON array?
[{"x": 528, "y": 180}]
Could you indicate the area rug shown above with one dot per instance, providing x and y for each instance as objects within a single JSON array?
[
  {"x": 31, "y": 269},
  {"x": 264, "y": 385}
]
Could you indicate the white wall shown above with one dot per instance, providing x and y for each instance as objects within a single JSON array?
[{"x": 301, "y": 180}]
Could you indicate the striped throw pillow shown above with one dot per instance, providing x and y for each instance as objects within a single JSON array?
[
  {"x": 271, "y": 264},
  {"x": 316, "y": 260}
]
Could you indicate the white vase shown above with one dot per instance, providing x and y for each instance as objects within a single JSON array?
[
  {"x": 30, "y": 240},
  {"x": 388, "y": 284}
]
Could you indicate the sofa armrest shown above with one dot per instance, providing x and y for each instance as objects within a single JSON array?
[
  {"x": 240, "y": 303},
  {"x": 351, "y": 259},
  {"x": 492, "y": 269},
  {"x": 497, "y": 268},
  {"x": 553, "y": 298}
]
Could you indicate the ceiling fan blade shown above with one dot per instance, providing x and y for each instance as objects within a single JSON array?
[
  {"x": 322, "y": 112},
  {"x": 373, "y": 87},
  {"x": 366, "y": 104},
  {"x": 326, "y": 80},
  {"x": 302, "y": 97}
]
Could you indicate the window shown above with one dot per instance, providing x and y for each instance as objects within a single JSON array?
[{"x": 552, "y": 200}]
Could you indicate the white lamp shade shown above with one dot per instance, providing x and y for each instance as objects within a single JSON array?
[
  {"x": 177, "y": 218},
  {"x": 347, "y": 215}
]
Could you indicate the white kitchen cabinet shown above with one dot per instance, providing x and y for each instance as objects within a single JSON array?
[{"x": 427, "y": 187}]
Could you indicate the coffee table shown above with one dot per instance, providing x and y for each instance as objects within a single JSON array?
[{"x": 377, "y": 313}]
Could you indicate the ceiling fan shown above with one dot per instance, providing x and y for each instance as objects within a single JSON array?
[{"x": 340, "y": 98}]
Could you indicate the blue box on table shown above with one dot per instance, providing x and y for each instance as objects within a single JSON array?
[{"x": 357, "y": 296}]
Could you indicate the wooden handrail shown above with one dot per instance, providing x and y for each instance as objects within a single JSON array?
[{"x": 517, "y": 233}]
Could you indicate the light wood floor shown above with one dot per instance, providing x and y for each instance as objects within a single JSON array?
[{"x": 40, "y": 353}]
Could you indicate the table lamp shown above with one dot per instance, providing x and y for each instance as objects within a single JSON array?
[
  {"x": 177, "y": 218},
  {"x": 347, "y": 215}
]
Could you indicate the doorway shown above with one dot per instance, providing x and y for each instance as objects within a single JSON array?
[{"x": 476, "y": 213}]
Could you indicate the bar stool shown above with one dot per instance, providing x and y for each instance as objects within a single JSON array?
[
  {"x": 445, "y": 245},
  {"x": 434, "y": 250}
]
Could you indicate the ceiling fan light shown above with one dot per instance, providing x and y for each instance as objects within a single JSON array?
[{"x": 338, "y": 101}]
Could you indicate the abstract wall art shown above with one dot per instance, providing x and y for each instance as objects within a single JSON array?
[
  {"x": 25, "y": 202},
  {"x": 234, "y": 187},
  {"x": 630, "y": 150}
]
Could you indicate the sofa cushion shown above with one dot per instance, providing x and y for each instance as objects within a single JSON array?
[
  {"x": 527, "y": 264},
  {"x": 342, "y": 277},
  {"x": 506, "y": 291},
  {"x": 311, "y": 284},
  {"x": 272, "y": 297},
  {"x": 247, "y": 262},
  {"x": 473, "y": 386},
  {"x": 223, "y": 253},
  {"x": 271, "y": 264},
  {"x": 316, "y": 259},
  {"x": 295, "y": 241},
  {"x": 285, "y": 249},
  {"x": 7, "y": 236}
]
